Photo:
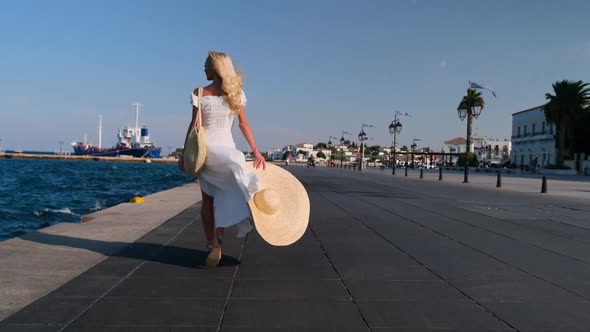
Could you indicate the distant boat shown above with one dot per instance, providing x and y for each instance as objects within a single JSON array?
[{"x": 132, "y": 141}]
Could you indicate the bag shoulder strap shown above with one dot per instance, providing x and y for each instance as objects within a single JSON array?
[{"x": 199, "y": 107}]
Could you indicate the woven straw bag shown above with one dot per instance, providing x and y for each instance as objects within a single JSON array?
[{"x": 195, "y": 150}]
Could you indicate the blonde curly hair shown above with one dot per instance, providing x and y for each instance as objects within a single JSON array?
[{"x": 231, "y": 79}]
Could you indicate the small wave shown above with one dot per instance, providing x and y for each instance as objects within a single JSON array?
[
  {"x": 97, "y": 206},
  {"x": 47, "y": 210}
]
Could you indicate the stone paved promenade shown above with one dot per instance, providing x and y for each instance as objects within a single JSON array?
[{"x": 382, "y": 253}]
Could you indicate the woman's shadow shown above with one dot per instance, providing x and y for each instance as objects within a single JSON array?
[{"x": 143, "y": 251}]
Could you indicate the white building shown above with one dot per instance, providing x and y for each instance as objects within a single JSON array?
[
  {"x": 532, "y": 138},
  {"x": 306, "y": 148},
  {"x": 455, "y": 145},
  {"x": 491, "y": 150},
  {"x": 488, "y": 150},
  {"x": 326, "y": 152},
  {"x": 274, "y": 153}
]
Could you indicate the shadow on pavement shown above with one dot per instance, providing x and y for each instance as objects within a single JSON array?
[{"x": 143, "y": 251}]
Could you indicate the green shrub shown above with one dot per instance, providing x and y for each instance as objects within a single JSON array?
[{"x": 471, "y": 157}]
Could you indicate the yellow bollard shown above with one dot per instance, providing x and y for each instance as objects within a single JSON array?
[{"x": 137, "y": 199}]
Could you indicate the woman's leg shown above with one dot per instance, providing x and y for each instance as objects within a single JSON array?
[
  {"x": 214, "y": 235},
  {"x": 208, "y": 218}
]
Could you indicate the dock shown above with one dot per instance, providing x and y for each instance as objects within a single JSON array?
[{"x": 86, "y": 157}]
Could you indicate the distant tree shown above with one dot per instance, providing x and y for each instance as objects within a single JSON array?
[
  {"x": 321, "y": 155},
  {"x": 565, "y": 108},
  {"x": 472, "y": 159},
  {"x": 320, "y": 146},
  {"x": 404, "y": 148},
  {"x": 301, "y": 152},
  {"x": 581, "y": 136},
  {"x": 373, "y": 149}
]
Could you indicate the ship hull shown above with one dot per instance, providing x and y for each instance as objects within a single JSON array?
[{"x": 139, "y": 153}]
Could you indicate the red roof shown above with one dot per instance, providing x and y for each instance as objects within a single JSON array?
[{"x": 457, "y": 140}]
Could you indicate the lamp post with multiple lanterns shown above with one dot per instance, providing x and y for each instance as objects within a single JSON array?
[
  {"x": 394, "y": 128},
  {"x": 362, "y": 138},
  {"x": 470, "y": 107},
  {"x": 330, "y": 144},
  {"x": 342, "y": 140}
]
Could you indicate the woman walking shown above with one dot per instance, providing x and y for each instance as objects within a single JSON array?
[{"x": 226, "y": 183}]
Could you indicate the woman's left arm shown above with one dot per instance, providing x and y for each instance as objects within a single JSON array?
[{"x": 247, "y": 132}]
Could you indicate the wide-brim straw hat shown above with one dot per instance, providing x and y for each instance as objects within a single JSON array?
[{"x": 280, "y": 208}]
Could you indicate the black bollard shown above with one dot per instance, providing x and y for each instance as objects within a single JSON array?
[
  {"x": 440, "y": 173},
  {"x": 544, "y": 186},
  {"x": 421, "y": 173},
  {"x": 406, "y": 170},
  {"x": 354, "y": 167},
  {"x": 499, "y": 181}
]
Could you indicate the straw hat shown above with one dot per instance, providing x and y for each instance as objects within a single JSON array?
[{"x": 280, "y": 208}]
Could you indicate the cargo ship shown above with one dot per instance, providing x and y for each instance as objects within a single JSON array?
[{"x": 131, "y": 141}]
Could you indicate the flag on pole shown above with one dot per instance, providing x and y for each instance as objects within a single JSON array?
[
  {"x": 403, "y": 113},
  {"x": 474, "y": 85}
]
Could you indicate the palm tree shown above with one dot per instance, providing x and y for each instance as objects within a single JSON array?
[
  {"x": 563, "y": 109},
  {"x": 473, "y": 97}
]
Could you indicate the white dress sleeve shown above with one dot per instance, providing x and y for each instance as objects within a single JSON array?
[{"x": 194, "y": 99}]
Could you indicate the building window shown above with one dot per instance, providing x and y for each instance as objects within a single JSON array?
[
  {"x": 533, "y": 129},
  {"x": 518, "y": 134},
  {"x": 525, "y": 133},
  {"x": 543, "y": 127},
  {"x": 544, "y": 159},
  {"x": 551, "y": 129}
]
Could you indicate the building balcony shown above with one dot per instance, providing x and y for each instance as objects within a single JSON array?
[{"x": 531, "y": 137}]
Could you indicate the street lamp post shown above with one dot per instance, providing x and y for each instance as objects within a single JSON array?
[
  {"x": 470, "y": 107},
  {"x": 394, "y": 128},
  {"x": 413, "y": 147},
  {"x": 342, "y": 140},
  {"x": 330, "y": 142},
  {"x": 363, "y": 137}
]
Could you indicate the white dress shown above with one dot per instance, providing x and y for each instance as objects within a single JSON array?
[{"x": 224, "y": 175}]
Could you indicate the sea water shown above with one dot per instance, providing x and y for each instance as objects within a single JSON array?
[{"x": 36, "y": 193}]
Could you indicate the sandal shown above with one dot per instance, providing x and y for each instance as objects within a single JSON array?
[{"x": 214, "y": 253}]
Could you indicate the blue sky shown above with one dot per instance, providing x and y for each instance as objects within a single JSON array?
[{"x": 312, "y": 68}]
